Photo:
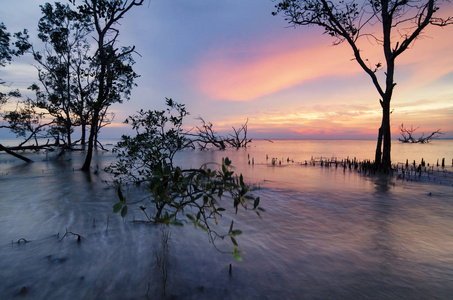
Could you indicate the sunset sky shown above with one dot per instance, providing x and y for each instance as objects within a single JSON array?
[{"x": 230, "y": 61}]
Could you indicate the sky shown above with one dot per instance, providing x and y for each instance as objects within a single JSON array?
[{"x": 232, "y": 61}]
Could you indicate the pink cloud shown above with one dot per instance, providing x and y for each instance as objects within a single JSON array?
[{"x": 246, "y": 74}]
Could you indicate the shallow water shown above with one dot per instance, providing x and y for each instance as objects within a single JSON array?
[{"x": 326, "y": 234}]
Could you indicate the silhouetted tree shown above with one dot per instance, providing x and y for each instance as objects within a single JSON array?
[
  {"x": 8, "y": 50},
  {"x": 27, "y": 121},
  {"x": 63, "y": 67},
  {"x": 114, "y": 76},
  {"x": 402, "y": 22}
]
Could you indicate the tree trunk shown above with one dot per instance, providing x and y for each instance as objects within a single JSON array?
[
  {"x": 93, "y": 129},
  {"x": 68, "y": 129},
  {"x": 386, "y": 158},
  {"x": 382, "y": 158},
  {"x": 15, "y": 154},
  {"x": 83, "y": 138},
  {"x": 378, "y": 155}
]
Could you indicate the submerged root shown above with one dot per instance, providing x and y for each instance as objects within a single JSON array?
[
  {"x": 22, "y": 240},
  {"x": 79, "y": 237}
]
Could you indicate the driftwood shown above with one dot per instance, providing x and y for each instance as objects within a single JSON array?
[{"x": 3, "y": 148}]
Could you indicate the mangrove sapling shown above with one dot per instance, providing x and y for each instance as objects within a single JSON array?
[
  {"x": 195, "y": 194},
  {"x": 158, "y": 137},
  {"x": 176, "y": 195}
]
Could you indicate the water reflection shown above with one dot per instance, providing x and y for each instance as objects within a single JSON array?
[{"x": 326, "y": 234}]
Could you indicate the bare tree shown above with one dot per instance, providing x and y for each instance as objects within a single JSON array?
[
  {"x": 401, "y": 21},
  {"x": 205, "y": 137},
  {"x": 408, "y": 137},
  {"x": 239, "y": 139}
]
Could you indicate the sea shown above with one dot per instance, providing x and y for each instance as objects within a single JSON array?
[{"x": 325, "y": 232}]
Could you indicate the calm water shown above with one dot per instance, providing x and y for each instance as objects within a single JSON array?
[{"x": 326, "y": 233}]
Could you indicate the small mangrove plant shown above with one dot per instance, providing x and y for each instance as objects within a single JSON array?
[{"x": 177, "y": 196}]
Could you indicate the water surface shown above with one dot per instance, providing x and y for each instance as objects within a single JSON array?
[{"x": 327, "y": 233}]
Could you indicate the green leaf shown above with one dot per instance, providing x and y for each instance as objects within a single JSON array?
[
  {"x": 117, "y": 207},
  {"x": 236, "y": 253},
  {"x": 124, "y": 211},
  {"x": 203, "y": 227},
  {"x": 234, "y": 241},
  {"x": 237, "y": 232},
  {"x": 176, "y": 223},
  {"x": 257, "y": 202},
  {"x": 120, "y": 195}
]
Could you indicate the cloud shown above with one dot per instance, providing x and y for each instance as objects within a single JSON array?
[{"x": 252, "y": 71}]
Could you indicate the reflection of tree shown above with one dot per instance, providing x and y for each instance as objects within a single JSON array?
[
  {"x": 383, "y": 239},
  {"x": 162, "y": 258}
]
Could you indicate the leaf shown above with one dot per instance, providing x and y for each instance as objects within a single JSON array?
[
  {"x": 237, "y": 232},
  {"x": 117, "y": 207},
  {"x": 124, "y": 211},
  {"x": 120, "y": 195},
  {"x": 237, "y": 257},
  {"x": 231, "y": 226},
  {"x": 203, "y": 227},
  {"x": 233, "y": 240},
  {"x": 176, "y": 223},
  {"x": 257, "y": 202}
]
